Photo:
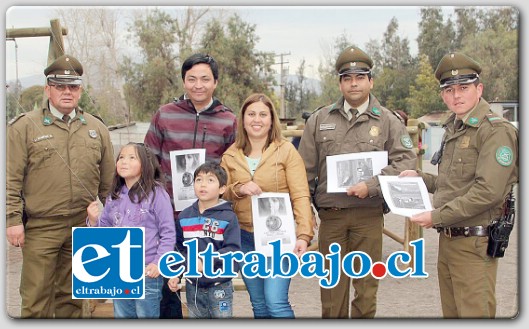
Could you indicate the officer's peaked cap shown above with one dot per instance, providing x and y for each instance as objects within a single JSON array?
[
  {"x": 457, "y": 68},
  {"x": 65, "y": 70},
  {"x": 353, "y": 60}
]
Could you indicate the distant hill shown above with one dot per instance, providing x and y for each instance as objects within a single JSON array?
[
  {"x": 30, "y": 81},
  {"x": 313, "y": 84}
]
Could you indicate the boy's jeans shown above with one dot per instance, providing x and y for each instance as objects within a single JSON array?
[{"x": 215, "y": 302}]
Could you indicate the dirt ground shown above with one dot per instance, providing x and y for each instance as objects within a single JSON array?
[{"x": 408, "y": 298}]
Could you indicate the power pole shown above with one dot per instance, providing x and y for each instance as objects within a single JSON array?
[
  {"x": 282, "y": 114},
  {"x": 55, "y": 32}
]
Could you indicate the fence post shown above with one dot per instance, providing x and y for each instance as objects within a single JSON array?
[{"x": 413, "y": 231}]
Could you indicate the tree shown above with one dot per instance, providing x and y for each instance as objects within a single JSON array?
[
  {"x": 466, "y": 22},
  {"x": 299, "y": 96},
  {"x": 93, "y": 38},
  {"x": 488, "y": 35},
  {"x": 152, "y": 80},
  {"x": 13, "y": 107},
  {"x": 188, "y": 25},
  {"x": 396, "y": 68},
  {"x": 31, "y": 98},
  {"x": 497, "y": 52},
  {"x": 435, "y": 39},
  {"x": 395, "y": 51},
  {"x": 505, "y": 17},
  {"x": 330, "y": 92},
  {"x": 242, "y": 69},
  {"x": 424, "y": 93},
  {"x": 374, "y": 49}
]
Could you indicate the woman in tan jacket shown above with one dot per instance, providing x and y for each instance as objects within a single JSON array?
[{"x": 261, "y": 160}]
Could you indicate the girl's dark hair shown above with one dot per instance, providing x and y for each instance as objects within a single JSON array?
[
  {"x": 151, "y": 176},
  {"x": 274, "y": 135},
  {"x": 214, "y": 168}
]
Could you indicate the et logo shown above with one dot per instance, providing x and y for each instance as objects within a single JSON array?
[{"x": 108, "y": 262}]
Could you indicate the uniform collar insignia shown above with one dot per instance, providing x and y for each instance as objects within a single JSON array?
[
  {"x": 47, "y": 121},
  {"x": 375, "y": 111}
]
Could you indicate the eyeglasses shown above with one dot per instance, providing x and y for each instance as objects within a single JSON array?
[{"x": 63, "y": 87}]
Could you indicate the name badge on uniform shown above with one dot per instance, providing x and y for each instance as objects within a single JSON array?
[
  {"x": 465, "y": 142},
  {"x": 327, "y": 126},
  {"x": 92, "y": 133},
  {"x": 41, "y": 138}
]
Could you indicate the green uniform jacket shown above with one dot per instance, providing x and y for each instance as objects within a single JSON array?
[
  {"x": 329, "y": 132},
  {"x": 47, "y": 161},
  {"x": 478, "y": 166}
]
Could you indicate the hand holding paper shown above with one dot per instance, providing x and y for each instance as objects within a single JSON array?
[{"x": 405, "y": 196}]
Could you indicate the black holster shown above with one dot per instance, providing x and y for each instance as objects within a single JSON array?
[{"x": 499, "y": 232}]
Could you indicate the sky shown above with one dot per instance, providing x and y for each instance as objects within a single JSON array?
[{"x": 298, "y": 32}]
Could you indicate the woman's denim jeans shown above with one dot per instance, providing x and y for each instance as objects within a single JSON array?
[
  {"x": 148, "y": 308},
  {"x": 269, "y": 296}
]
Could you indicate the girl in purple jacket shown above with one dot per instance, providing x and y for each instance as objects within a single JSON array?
[{"x": 139, "y": 199}]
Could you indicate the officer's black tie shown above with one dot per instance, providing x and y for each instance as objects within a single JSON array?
[
  {"x": 458, "y": 125},
  {"x": 352, "y": 114},
  {"x": 66, "y": 119}
]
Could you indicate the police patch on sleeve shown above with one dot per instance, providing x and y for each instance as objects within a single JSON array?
[
  {"x": 405, "y": 140},
  {"x": 504, "y": 156}
]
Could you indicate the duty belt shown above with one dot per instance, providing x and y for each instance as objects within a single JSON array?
[
  {"x": 332, "y": 208},
  {"x": 464, "y": 231}
]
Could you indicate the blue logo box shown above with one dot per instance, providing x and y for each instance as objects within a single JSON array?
[{"x": 108, "y": 262}]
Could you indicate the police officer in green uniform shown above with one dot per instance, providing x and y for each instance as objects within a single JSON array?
[
  {"x": 357, "y": 122},
  {"x": 477, "y": 166},
  {"x": 59, "y": 159}
]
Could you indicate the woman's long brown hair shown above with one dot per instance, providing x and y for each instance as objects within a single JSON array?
[{"x": 241, "y": 139}]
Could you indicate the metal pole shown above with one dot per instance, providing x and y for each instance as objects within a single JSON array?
[
  {"x": 282, "y": 114},
  {"x": 282, "y": 85},
  {"x": 18, "y": 86}
]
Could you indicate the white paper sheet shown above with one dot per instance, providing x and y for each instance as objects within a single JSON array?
[
  {"x": 273, "y": 219},
  {"x": 346, "y": 170},
  {"x": 405, "y": 196},
  {"x": 183, "y": 165}
]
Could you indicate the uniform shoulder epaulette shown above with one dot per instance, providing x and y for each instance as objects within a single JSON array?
[
  {"x": 16, "y": 118},
  {"x": 307, "y": 115},
  {"x": 99, "y": 118},
  {"x": 494, "y": 119},
  {"x": 401, "y": 119}
]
